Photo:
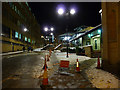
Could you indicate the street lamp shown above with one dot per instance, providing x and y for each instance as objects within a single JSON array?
[
  {"x": 46, "y": 29},
  {"x": 25, "y": 29},
  {"x": 50, "y": 30},
  {"x": 61, "y": 11},
  {"x": 72, "y": 11},
  {"x": 51, "y": 33}
]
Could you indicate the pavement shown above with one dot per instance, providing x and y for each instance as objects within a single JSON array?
[
  {"x": 26, "y": 71},
  {"x": 67, "y": 78}
]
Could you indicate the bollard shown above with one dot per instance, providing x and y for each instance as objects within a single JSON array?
[
  {"x": 77, "y": 66},
  {"x": 48, "y": 58},
  {"x": 45, "y": 64},
  {"x": 98, "y": 63},
  {"x": 45, "y": 77}
]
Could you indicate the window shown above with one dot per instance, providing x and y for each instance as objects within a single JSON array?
[
  {"x": 25, "y": 38},
  {"x": 27, "y": 4},
  {"x": 87, "y": 42},
  {"x": 13, "y": 34},
  {"x": 95, "y": 43},
  {"x": 13, "y": 7},
  {"x": 16, "y": 34},
  {"x": 5, "y": 31},
  {"x": 29, "y": 8},
  {"x": 32, "y": 41},
  {"x": 19, "y": 36},
  {"x": 18, "y": 23},
  {"x": 29, "y": 40},
  {"x": 10, "y": 3}
]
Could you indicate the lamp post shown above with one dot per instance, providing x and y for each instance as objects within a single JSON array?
[
  {"x": 50, "y": 30},
  {"x": 61, "y": 11}
]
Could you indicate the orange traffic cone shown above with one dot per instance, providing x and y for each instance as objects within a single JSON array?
[
  {"x": 50, "y": 52},
  {"x": 98, "y": 63},
  {"x": 77, "y": 66},
  {"x": 48, "y": 58},
  {"x": 45, "y": 77},
  {"x": 45, "y": 64}
]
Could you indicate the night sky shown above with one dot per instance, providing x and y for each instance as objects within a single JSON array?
[{"x": 46, "y": 14}]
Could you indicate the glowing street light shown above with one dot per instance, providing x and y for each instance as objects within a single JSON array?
[
  {"x": 52, "y": 29},
  {"x": 46, "y": 29},
  {"x": 60, "y": 11},
  {"x": 72, "y": 11},
  {"x": 51, "y": 33},
  {"x": 25, "y": 29}
]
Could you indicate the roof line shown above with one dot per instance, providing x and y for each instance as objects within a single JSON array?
[{"x": 86, "y": 32}]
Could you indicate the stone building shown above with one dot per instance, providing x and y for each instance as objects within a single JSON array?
[
  {"x": 111, "y": 37},
  {"x": 19, "y": 27}
]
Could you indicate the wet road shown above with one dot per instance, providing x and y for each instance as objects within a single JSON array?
[
  {"x": 18, "y": 70},
  {"x": 25, "y": 71}
]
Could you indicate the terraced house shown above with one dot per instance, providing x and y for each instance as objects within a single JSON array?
[{"x": 19, "y": 27}]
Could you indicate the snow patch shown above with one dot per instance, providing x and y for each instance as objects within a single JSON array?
[{"x": 102, "y": 79}]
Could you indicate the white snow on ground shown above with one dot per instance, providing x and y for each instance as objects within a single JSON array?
[
  {"x": 38, "y": 49},
  {"x": 102, "y": 79},
  {"x": 99, "y": 78},
  {"x": 72, "y": 57}
]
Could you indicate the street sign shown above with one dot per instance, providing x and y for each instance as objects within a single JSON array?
[{"x": 64, "y": 64}]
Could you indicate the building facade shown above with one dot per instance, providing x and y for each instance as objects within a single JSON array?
[
  {"x": 111, "y": 37},
  {"x": 93, "y": 38},
  {"x": 19, "y": 27},
  {"x": 90, "y": 40}
]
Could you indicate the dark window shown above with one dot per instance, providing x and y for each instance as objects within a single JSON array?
[
  {"x": 95, "y": 44},
  {"x": 22, "y": 38},
  {"x": 13, "y": 34},
  {"x": 5, "y": 31},
  {"x": 10, "y": 3},
  {"x": 5, "y": 13},
  {"x": 87, "y": 42}
]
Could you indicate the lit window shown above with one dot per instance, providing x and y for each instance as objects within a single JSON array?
[
  {"x": 16, "y": 34},
  {"x": 19, "y": 36},
  {"x": 15, "y": 8},
  {"x": 27, "y": 4},
  {"x": 10, "y": 3},
  {"x": 25, "y": 38},
  {"x": 30, "y": 9},
  {"x": 29, "y": 40}
]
